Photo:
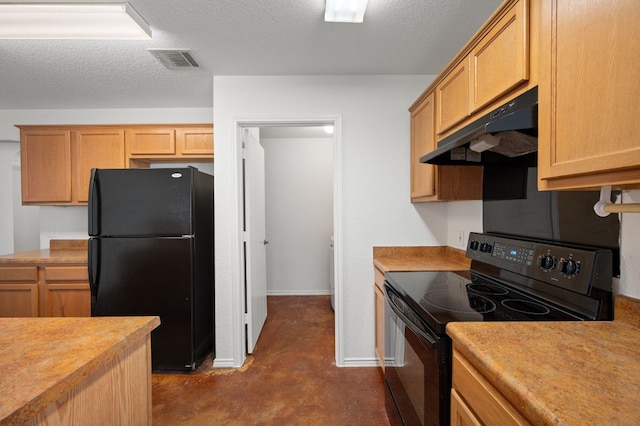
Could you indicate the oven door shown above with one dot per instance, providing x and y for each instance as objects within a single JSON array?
[{"x": 417, "y": 366}]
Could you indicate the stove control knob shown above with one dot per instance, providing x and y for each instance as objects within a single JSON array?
[
  {"x": 547, "y": 261},
  {"x": 485, "y": 248},
  {"x": 570, "y": 267},
  {"x": 473, "y": 245}
]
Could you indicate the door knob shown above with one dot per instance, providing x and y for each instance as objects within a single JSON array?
[{"x": 266, "y": 242}]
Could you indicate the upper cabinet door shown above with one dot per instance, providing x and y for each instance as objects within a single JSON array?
[
  {"x": 96, "y": 148},
  {"x": 588, "y": 112},
  {"x": 422, "y": 142},
  {"x": 151, "y": 141},
  {"x": 46, "y": 166},
  {"x": 196, "y": 140},
  {"x": 500, "y": 61},
  {"x": 452, "y": 97}
]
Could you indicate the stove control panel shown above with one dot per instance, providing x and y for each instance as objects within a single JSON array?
[{"x": 563, "y": 266}]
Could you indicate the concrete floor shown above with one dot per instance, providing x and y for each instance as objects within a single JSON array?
[{"x": 291, "y": 379}]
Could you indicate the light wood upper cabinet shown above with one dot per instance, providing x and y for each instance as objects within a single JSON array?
[
  {"x": 500, "y": 60},
  {"x": 423, "y": 140},
  {"x": 497, "y": 64},
  {"x": 437, "y": 183},
  {"x": 57, "y": 160},
  {"x": 151, "y": 141},
  {"x": 170, "y": 143},
  {"x": 195, "y": 141},
  {"x": 588, "y": 94},
  {"x": 452, "y": 97},
  {"x": 95, "y": 148},
  {"x": 46, "y": 165}
]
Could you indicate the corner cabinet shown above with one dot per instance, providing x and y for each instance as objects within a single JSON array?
[
  {"x": 437, "y": 183},
  {"x": 56, "y": 161},
  {"x": 588, "y": 95}
]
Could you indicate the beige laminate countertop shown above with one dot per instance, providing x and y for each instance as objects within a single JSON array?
[
  {"x": 420, "y": 258},
  {"x": 561, "y": 373},
  {"x": 59, "y": 251},
  {"x": 44, "y": 358}
]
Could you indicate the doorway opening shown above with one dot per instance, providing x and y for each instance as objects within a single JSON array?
[{"x": 300, "y": 176}]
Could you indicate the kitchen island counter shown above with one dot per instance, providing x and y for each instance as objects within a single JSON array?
[
  {"x": 85, "y": 369},
  {"x": 565, "y": 373}
]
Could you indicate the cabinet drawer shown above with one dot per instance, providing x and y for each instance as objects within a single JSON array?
[
  {"x": 27, "y": 274},
  {"x": 66, "y": 273},
  {"x": 481, "y": 397}
]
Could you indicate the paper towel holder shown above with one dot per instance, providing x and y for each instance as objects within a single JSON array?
[{"x": 604, "y": 207}]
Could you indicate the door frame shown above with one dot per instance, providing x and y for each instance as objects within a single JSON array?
[{"x": 238, "y": 291}]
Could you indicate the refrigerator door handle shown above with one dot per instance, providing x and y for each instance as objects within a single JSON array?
[
  {"x": 94, "y": 203},
  {"x": 94, "y": 267}
]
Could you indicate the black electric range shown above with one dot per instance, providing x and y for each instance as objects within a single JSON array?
[{"x": 511, "y": 279}]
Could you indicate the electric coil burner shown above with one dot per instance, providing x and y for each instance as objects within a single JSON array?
[{"x": 510, "y": 279}]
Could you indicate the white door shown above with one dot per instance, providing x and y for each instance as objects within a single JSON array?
[{"x": 255, "y": 236}]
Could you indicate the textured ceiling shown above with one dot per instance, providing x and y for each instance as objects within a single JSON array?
[{"x": 234, "y": 37}]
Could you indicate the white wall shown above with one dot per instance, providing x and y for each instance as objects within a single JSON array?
[
  {"x": 71, "y": 222},
  {"x": 8, "y": 150},
  {"x": 299, "y": 214},
  {"x": 630, "y": 249},
  {"x": 374, "y": 194}
]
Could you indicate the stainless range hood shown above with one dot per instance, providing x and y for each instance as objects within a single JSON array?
[{"x": 507, "y": 135}]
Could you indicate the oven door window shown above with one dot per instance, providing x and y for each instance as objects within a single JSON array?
[{"x": 414, "y": 373}]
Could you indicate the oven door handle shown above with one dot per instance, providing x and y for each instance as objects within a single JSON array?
[{"x": 409, "y": 323}]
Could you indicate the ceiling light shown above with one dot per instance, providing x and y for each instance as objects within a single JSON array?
[
  {"x": 328, "y": 129},
  {"x": 103, "y": 21},
  {"x": 345, "y": 11}
]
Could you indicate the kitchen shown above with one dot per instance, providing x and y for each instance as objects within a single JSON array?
[{"x": 373, "y": 157}]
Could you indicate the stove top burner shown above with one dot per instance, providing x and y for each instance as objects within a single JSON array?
[
  {"x": 525, "y": 306},
  {"x": 487, "y": 288},
  {"x": 450, "y": 300}
]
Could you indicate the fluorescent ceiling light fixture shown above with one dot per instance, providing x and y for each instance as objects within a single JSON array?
[
  {"x": 345, "y": 11},
  {"x": 96, "y": 21}
]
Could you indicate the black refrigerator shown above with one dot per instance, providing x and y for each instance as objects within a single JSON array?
[{"x": 151, "y": 253}]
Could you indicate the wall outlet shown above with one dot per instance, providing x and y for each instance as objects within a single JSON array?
[{"x": 461, "y": 238}]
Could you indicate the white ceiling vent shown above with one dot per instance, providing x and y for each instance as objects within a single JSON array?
[{"x": 175, "y": 58}]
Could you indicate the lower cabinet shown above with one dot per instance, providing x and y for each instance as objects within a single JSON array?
[
  {"x": 19, "y": 291},
  {"x": 474, "y": 401},
  {"x": 379, "y": 312},
  {"x": 66, "y": 292},
  {"x": 44, "y": 291}
]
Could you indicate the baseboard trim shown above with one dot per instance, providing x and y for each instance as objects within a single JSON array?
[
  {"x": 361, "y": 362},
  {"x": 223, "y": 363},
  {"x": 298, "y": 292}
]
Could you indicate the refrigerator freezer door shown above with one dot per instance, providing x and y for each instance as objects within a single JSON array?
[
  {"x": 149, "y": 276},
  {"x": 141, "y": 202}
]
